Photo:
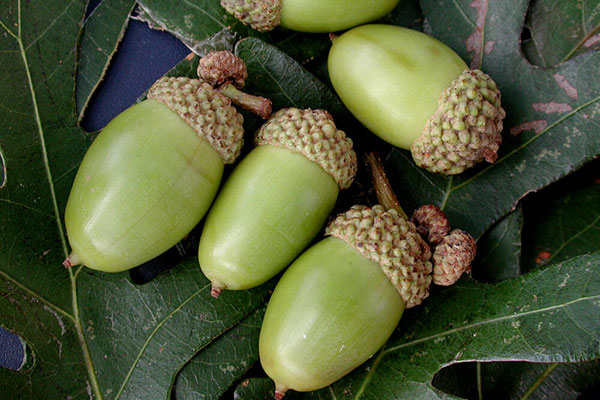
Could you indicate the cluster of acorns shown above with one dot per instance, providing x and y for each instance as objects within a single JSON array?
[{"x": 154, "y": 171}]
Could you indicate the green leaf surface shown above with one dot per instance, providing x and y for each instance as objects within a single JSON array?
[
  {"x": 209, "y": 374},
  {"x": 563, "y": 220},
  {"x": 514, "y": 380},
  {"x": 561, "y": 30},
  {"x": 102, "y": 32},
  {"x": 499, "y": 250}
]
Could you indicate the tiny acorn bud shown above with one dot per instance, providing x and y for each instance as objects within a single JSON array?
[
  {"x": 307, "y": 15},
  {"x": 340, "y": 301},
  {"x": 150, "y": 175},
  {"x": 227, "y": 73},
  {"x": 414, "y": 92},
  {"x": 219, "y": 67},
  {"x": 431, "y": 222},
  {"x": 276, "y": 200},
  {"x": 452, "y": 257}
]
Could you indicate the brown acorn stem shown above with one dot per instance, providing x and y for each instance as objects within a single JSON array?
[
  {"x": 385, "y": 194},
  {"x": 260, "y": 106},
  {"x": 72, "y": 260}
]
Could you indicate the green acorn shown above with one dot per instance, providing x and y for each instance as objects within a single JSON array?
[
  {"x": 414, "y": 92},
  {"x": 340, "y": 301},
  {"x": 150, "y": 175},
  {"x": 307, "y": 15},
  {"x": 276, "y": 200}
]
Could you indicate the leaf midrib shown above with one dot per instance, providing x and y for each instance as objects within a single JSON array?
[{"x": 41, "y": 135}]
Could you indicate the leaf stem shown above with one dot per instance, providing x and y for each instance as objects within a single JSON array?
[
  {"x": 385, "y": 194},
  {"x": 539, "y": 381}
]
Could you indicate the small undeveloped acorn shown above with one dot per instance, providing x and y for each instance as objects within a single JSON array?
[
  {"x": 452, "y": 257},
  {"x": 150, "y": 175},
  {"x": 307, "y": 15},
  {"x": 431, "y": 222},
  {"x": 276, "y": 200},
  {"x": 340, "y": 301},
  {"x": 414, "y": 92}
]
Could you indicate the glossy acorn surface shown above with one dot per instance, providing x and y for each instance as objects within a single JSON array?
[
  {"x": 144, "y": 183},
  {"x": 332, "y": 309},
  {"x": 270, "y": 208},
  {"x": 391, "y": 77},
  {"x": 331, "y": 15}
]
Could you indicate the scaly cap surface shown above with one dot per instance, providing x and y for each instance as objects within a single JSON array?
[
  {"x": 392, "y": 242},
  {"x": 218, "y": 67},
  {"x": 465, "y": 129},
  {"x": 208, "y": 112},
  {"x": 452, "y": 257},
  {"x": 262, "y": 15},
  {"x": 313, "y": 134},
  {"x": 431, "y": 222}
]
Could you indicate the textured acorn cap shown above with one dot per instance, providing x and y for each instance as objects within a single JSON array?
[
  {"x": 313, "y": 134},
  {"x": 207, "y": 111},
  {"x": 452, "y": 257},
  {"x": 262, "y": 15},
  {"x": 218, "y": 67},
  {"x": 431, "y": 223},
  {"x": 392, "y": 242},
  {"x": 465, "y": 129}
]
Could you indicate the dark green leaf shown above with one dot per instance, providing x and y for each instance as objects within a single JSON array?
[
  {"x": 102, "y": 32},
  {"x": 499, "y": 250},
  {"x": 210, "y": 373},
  {"x": 563, "y": 220},
  {"x": 514, "y": 380},
  {"x": 561, "y": 30},
  {"x": 41, "y": 148},
  {"x": 255, "y": 389}
]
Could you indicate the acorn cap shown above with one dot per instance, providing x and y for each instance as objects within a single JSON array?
[
  {"x": 218, "y": 67},
  {"x": 313, "y": 134},
  {"x": 207, "y": 111},
  {"x": 452, "y": 257},
  {"x": 465, "y": 129},
  {"x": 431, "y": 222},
  {"x": 392, "y": 242},
  {"x": 262, "y": 15}
]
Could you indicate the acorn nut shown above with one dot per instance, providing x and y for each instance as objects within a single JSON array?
[
  {"x": 414, "y": 92},
  {"x": 151, "y": 175},
  {"x": 276, "y": 200},
  {"x": 340, "y": 301},
  {"x": 317, "y": 16}
]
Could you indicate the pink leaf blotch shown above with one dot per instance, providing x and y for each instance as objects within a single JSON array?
[
  {"x": 551, "y": 107},
  {"x": 566, "y": 86},
  {"x": 536, "y": 126},
  {"x": 592, "y": 40},
  {"x": 473, "y": 42}
]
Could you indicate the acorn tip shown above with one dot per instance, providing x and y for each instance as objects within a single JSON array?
[{"x": 216, "y": 292}]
